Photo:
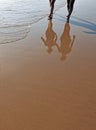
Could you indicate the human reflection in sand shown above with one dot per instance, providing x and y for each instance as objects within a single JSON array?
[
  {"x": 66, "y": 42},
  {"x": 51, "y": 37}
]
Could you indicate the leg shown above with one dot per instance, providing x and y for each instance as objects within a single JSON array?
[
  {"x": 68, "y": 2},
  {"x": 52, "y": 9},
  {"x": 71, "y": 4},
  {"x": 50, "y": 1}
]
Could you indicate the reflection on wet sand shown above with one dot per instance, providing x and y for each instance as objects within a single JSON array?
[
  {"x": 66, "y": 42},
  {"x": 51, "y": 37}
]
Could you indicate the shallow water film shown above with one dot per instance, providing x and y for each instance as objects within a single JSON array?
[{"x": 47, "y": 67}]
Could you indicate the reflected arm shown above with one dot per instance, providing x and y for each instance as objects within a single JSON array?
[
  {"x": 43, "y": 40},
  {"x": 72, "y": 41}
]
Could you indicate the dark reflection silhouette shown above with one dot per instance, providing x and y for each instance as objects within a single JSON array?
[
  {"x": 70, "y": 4},
  {"x": 52, "y": 2},
  {"x": 66, "y": 42},
  {"x": 51, "y": 37}
]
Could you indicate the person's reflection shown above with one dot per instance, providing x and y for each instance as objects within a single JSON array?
[
  {"x": 70, "y": 4},
  {"x": 52, "y": 2},
  {"x": 66, "y": 42},
  {"x": 51, "y": 37}
]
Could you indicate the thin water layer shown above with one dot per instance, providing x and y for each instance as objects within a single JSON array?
[
  {"x": 17, "y": 17},
  {"x": 48, "y": 78}
]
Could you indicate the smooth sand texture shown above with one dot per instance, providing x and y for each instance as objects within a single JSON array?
[{"x": 55, "y": 88}]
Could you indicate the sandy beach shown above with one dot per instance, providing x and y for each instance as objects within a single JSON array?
[{"x": 47, "y": 68}]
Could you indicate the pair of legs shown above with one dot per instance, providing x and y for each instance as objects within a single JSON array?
[
  {"x": 70, "y": 4},
  {"x": 52, "y": 2}
]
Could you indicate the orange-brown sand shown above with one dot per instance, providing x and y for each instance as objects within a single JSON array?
[{"x": 48, "y": 79}]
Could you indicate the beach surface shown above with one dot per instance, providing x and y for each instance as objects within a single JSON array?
[{"x": 47, "y": 68}]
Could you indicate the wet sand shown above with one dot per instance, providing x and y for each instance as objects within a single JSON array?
[{"x": 44, "y": 88}]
